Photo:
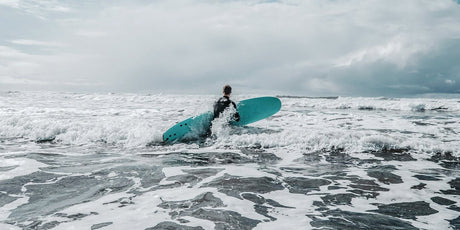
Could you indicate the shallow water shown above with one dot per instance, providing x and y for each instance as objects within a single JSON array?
[{"x": 96, "y": 161}]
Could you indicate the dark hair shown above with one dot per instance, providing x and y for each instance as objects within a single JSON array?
[{"x": 227, "y": 89}]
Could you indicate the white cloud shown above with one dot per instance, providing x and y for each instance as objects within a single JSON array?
[
  {"x": 399, "y": 52},
  {"x": 38, "y": 8},
  {"x": 449, "y": 82},
  {"x": 7, "y": 52},
  {"x": 28, "y": 42},
  {"x": 10, "y": 3},
  {"x": 35, "y": 71},
  {"x": 90, "y": 34}
]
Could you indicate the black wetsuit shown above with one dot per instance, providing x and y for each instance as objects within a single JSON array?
[{"x": 223, "y": 103}]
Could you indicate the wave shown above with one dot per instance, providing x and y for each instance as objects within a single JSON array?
[
  {"x": 379, "y": 104},
  {"x": 309, "y": 97},
  {"x": 137, "y": 121},
  {"x": 136, "y": 133},
  {"x": 367, "y": 107},
  {"x": 130, "y": 132}
]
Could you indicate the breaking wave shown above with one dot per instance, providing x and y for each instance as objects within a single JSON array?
[{"x": 303, "y": 125}]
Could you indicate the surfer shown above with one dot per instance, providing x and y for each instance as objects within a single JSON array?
[{"x": 224, "y": 102}]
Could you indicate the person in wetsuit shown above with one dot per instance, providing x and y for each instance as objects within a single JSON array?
[{"x": 224, "y": 102}]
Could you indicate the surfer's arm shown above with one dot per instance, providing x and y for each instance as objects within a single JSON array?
[{"x": 237, "y": 115}]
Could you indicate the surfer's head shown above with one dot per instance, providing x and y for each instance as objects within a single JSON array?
[{"x": 227, "y": 90}]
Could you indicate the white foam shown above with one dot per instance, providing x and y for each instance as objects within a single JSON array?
[
  {"x": 6, "y": 209},
  {"x": 129, "y": 217},
  {"x": 293, "y": 217},
  {"x": 22, "y": 166},
  {"x": 8, "y": 227}
]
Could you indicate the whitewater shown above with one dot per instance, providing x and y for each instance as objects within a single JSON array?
[{"x": 97, "y": 161}]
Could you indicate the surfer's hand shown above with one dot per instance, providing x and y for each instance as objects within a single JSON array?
[{"x": 237, "y": 117}]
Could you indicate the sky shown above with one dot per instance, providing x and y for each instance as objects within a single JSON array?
[{"x": 290, "y": 47}]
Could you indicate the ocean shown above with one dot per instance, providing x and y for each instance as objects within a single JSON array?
[{"x": 96, "y": 161}]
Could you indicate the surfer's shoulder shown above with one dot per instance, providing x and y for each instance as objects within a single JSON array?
[{"x": 223, "y": 99}]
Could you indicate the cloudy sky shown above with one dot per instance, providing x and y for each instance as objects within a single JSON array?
[{"x": 300, "y": 47}]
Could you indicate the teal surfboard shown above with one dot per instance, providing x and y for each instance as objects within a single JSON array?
[
  {"x": 256, "y": 109},
  {"x": 250, "y": 110}
]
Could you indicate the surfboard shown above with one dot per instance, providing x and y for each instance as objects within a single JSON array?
[
  {"x": 250, "y": 110},
  {"x": 256, "y": 109}
]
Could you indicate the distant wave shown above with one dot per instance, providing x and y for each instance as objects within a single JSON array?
[
  {"x": 419, "y": 108},
  {"x": 376, "y": 104},
  {"x": 366, "y": 107},
  {"x": 308, "y": 97}
]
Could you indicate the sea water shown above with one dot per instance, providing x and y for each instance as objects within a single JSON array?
[{"x": 96, "y": 161}]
